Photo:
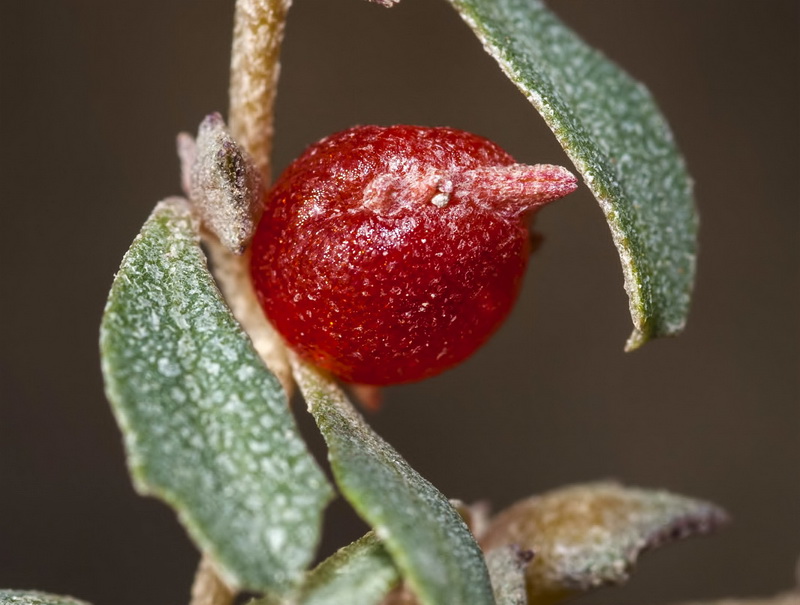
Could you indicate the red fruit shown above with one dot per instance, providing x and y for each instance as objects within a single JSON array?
[{"x": 387, "y": 255}]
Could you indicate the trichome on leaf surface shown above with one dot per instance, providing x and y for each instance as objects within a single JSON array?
[{"x": 384, "y": 255}]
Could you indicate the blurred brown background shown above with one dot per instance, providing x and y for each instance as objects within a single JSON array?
[{"x": 91, "y": 95}]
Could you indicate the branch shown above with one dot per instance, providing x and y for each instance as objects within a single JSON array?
[{"x": 257, "y": 36}]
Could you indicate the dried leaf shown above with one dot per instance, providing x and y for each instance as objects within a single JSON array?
[
  {"x": 222, "y": 182},
  {"x": 586, "y": 536}
]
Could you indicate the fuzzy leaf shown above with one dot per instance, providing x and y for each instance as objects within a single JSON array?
[
  {"x": 28, "y": 597},
  {"x": 206, "y": 425},
  {"x": 424, "y": 534},
  {"x": 612, "y": 130},
  {"x": 586, "y": 536},
  {"x": 223, "y": 183},
  {"x": 362, "y": 572}
]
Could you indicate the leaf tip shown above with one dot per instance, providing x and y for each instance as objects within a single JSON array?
[
  {"x": 587, "y": 536},
  {"x": 636, "y": 340},
  {"x": 222, "y": 181}
]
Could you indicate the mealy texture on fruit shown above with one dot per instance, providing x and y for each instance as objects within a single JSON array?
[{"x": 389, "y": 254}]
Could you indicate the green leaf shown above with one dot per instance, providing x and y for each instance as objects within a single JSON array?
[
  {"x": 362, "y": 573},
  {"x": 586, "y": 536},
  {"x": 426, "y": 537},
  {"x": 206, "y": 425},
  {"x": 28, "y": 597},
  {"x": 612, "y": 130}
]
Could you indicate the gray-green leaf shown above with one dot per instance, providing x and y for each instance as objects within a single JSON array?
[
  {"x": 206, "y": 425},
  {"x": 361, "y": 573},
  {"x": 426, "y": 537},
  {"x": 612, "y": 130},
  {"x": 28, "y": 597},
  {"x": 586, "y": 536}
]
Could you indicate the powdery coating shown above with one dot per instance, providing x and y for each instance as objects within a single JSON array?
[
  {"x": 223, "y": 183},
  {"x": 388, "y": 255},
  {"x": 361, "y": 572},
  {"x": 586, "y": 536},
  {"x": 32, "y": 597},
  {"x": 427, "y": 539},
  {"x": 206, "y": 426}
]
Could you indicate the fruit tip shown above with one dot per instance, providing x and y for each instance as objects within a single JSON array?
[{"x": 518, "y": 187}]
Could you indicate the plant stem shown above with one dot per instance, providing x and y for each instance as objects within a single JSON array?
[
  {"x": 208, "y": 589},
  {"x": 232, "y": 274},
  {"x": 257, "y": 37}
]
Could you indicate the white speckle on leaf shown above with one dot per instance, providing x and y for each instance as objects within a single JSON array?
[
  {"x": 245, "y": 373},
  {"x": 209, "y": 429},
  {"x": 168, "y": 367}
]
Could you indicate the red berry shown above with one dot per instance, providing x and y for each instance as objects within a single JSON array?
[{"x": 387, "y": 255}]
